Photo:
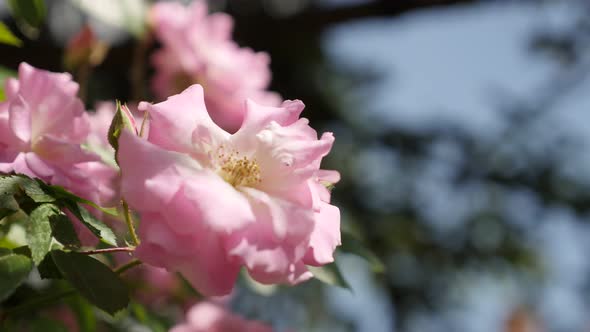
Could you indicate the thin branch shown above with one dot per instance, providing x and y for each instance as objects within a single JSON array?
[
  {"x": 107, "y": 250},
  {"x": 129, "y": 222},
  {"x": 123, "y": 268}
]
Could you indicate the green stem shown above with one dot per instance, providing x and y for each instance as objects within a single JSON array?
[
  {"x": 131, "y": 264},
  {"x": 129, "y": 222}
]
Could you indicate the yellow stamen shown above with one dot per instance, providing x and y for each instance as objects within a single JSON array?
[{"x": 237, "y": 171}]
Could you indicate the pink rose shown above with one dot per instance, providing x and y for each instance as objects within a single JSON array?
[
  {"x": 208, "y": 317},
  {"x": 42, "y": 127},
  {"x": 197, "y": 48},
  {"x": 212, "y": 202}
]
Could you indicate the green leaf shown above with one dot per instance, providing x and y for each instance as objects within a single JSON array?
[
  {"x": 8, "y": 187},
  {"x": 14, "y": 269},
  {"x": 39, "y": 231},
  {"x": 8, "y": 204},
  {"x": 25, "y": 191},
  {"x": 63, "y": 231},
  {"x": 94, "y": 280},
  {"x": 33, "y": 189},
  {"x": 96, "y": 226},
  {"x": 62, "y": 194},
  {"x": 48, "y": 269},
  {"x": 329, "y": 274},
  {"x": 7, "y": 37},
  {"x": 31, "y": 11},
  {"x": 352, "y": 245},
  {"x": 22, "y": 250}
]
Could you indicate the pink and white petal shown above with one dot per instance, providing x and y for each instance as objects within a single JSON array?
[
  {"x": 220, "y": 26},
  {"x": 267, "y": 258},
  {"x": 270, "y": 265},
  {"x": 20, "y": 166},
  {"x": 199, "y": 257},
  {"x": 11, "y": 87},
  {"x": 257, "y": 117},
  {"x": 325, "y": 237},
  {"x": 286, "y": 159},
  {"x": 8, "y": 151},
  {"x": 36, "y": 84},
  {"x": 208, "y": 201},
  {"x": 151, "y": 176},
  {"x": 182, "y": 328},
  {"x": 174, "y": 120},
  {"x": 329, "y": 176},
  {"x": 58, "y": 151},
  {"x": 168, "y": 14},
  {"x": 61, "y": 116},
  {"x": 325, "y": 178},
  {"x": 7, "y": 137},
  {"x": 204, "y": 315},
  {"x": 290, "y": 222},
  {"x": 20, "y": 119},
  {"x": 39, "y": 167}
]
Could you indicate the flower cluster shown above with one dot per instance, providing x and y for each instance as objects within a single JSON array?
[
  {"x": 197, "y": 48},
  {"x": 42, "y": 128},
  {"x": 222, "y": 175}
]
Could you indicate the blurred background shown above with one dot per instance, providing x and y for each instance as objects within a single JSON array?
[{"x": 462, "y": 135}]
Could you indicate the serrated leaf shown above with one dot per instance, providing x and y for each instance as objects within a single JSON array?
[
  {"x": 33, "y": 189},
  {"x": 62, "y": 194},
  {"x": 94, "y": 280},
  {"x": 22, "y": 250},
  {"x": 39, "y": 231},
  {"x": 96, "y": 226},
  {"x": 25, "y": 191},
  {"x": 8, "y": 204},
  {"x": 31, "y": 11},
  {"x": 48, "y": 269},
  {"x": 63, "y": 231},
  {"x": 7, "y": 37},
  {"x": 352, "y": 245},
  {"x": 329, "y": 274},
  {"x": 14, "y": 269}
]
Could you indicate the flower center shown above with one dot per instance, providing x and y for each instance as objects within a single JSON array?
[{"x": 237, "y": 170}]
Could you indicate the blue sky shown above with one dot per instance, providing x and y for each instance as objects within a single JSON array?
[{"x": 457, "y": 68}]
